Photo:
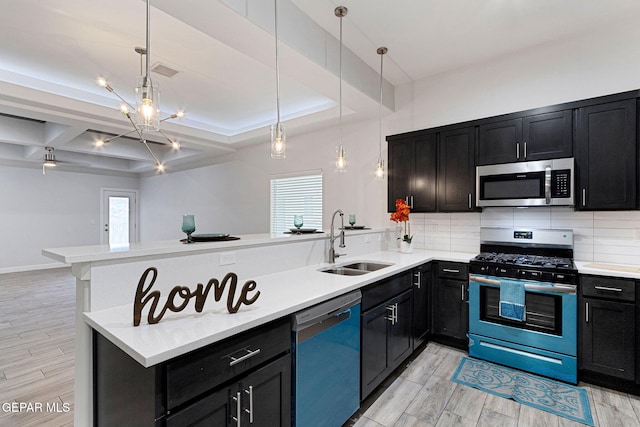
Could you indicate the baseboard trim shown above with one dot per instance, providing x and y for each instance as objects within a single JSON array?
[{"x": 25, "y": 268}]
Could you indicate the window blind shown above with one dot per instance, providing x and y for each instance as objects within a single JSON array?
[{"x": 296, "y": 195}]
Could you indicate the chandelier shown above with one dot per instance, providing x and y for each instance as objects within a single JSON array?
[{"x": 145, "y": 116}]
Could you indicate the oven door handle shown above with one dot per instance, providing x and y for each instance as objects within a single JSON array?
[
  {"x": 483, "y": 280},
  {"x": 556, "y": 288}
]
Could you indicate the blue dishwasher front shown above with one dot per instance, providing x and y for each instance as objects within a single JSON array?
[{"x": 327, "y": 362}]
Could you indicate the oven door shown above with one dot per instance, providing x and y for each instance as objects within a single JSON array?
[
  {"x": 544, "y": 344},
  {"x": 551, "y": 313}
]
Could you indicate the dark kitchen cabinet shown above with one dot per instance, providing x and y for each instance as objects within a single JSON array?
[
  {"x": 421, "y": 304},
  {"x": 606, "y": 156},
  {"x": 534, "y": 137},
  {"x": 451, "y": 308},
  {"x": 456, "y": 170},
  {"x": 607, "y": 331},
  {"x": 386, "y": 335},
  {"x": 262, "y": 398},
  {"x": 247, "y": 375},
  {"x": 412, "y": 172}
]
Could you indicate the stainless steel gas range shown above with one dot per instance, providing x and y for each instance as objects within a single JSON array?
[{"x": 523, "y": 301}]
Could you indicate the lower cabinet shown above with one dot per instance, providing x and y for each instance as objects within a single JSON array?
[
  {"x": 608, "y": 332},
  {"x": 261, "y": 398},
  {"x": 387, "y": 329},
  {"x": 421, "y": 304},
  {"x": 451, "y": 304},
  {"x": 244, "y": 380}
]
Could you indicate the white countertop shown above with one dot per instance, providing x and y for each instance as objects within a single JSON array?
[
  {"x": 78, "y": 254},
  {"x": 281, "y": 294},
  {"x": 608, "y": 269}
]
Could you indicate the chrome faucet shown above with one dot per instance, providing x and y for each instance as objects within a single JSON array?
[{"x": 332, "y": 252}]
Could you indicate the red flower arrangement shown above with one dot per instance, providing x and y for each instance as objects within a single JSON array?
[{"x": 402, "y": 215}]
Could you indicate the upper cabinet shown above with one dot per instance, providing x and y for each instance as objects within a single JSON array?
[
  {"x": 433, "y": 171},
  {"x": 456, "y": 170},
  {"x": 412, "y": 172},
  {"x": 606, "y": 156},
  {"x": 535, "y": 137}
]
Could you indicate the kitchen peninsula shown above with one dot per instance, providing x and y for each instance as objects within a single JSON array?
[{"x": 285, "y": 269}]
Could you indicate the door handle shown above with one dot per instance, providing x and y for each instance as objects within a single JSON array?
[
  {"x": 586, "y": 312},
  {"x": 584, "y": 197},
  {"x": 238, "y": 416},
  {"x": 518, "y": 150},
  {"x": 525, "y": 150},
  {"x": 250, "y": 410},
  {"x": 417, "y": 276},
  {"x": 547, "y": 184},
  {"x": 461, "y": 292}
]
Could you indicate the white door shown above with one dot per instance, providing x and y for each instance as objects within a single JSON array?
[{"x": 119, "y": 217}]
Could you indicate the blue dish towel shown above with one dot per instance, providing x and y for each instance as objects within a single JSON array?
[{"x": 512, "y": 300}]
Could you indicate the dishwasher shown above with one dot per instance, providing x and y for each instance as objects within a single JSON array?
[{"x": 326, "y": 362}]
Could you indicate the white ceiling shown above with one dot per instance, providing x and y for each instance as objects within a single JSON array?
[{"x": 52, "y": 51}]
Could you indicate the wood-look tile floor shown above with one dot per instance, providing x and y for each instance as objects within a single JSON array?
[
  {"x": 37, "y": 322},
  {"x": 421, "y": 394},
  {"x": 37, "y": 330}
]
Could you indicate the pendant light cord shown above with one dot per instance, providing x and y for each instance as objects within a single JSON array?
[
  {"x": 380, "y": 112},
  {"x": 277, "y": 66},
  {"x": 340, "y": 96},
  {"x": 148, "y": 52}
]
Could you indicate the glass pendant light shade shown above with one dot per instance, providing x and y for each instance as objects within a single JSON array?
[
  {"x": 147, "y": 105},
  {"x": 379, "y": 173},
  {"x": 341, "y": 160},
  {"x": 278, "y": 141}
]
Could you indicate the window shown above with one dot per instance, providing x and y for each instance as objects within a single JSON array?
[{"x": 299, "y": 194}]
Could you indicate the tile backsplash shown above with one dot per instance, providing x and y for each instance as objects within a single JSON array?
[{"x": 602, "y": 236}]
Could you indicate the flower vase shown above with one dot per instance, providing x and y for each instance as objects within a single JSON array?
[{"x": 406, "y": 247}]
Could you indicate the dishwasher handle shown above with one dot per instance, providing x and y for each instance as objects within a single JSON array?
[
  {"x": 314, "y": 329},
  {"x": 321, "y": 312}
]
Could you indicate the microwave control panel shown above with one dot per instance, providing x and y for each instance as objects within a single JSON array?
[{"x": 561, "y": 183}]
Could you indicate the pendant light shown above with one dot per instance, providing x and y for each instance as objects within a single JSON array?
[
  {"x": 380, "y": 164},
  {"x": 146, "y": 113},
  {"x": 278, "y": 137},
  {"x": 341, "y": 160}
]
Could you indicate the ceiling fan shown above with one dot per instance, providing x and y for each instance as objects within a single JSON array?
[{"x": 49, "y": 160}]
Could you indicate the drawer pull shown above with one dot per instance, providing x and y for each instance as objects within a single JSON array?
[
  {"x": 450, "y": 270},
  {"x": 235, "y": 361},
  {"x": 606, "y": 288}
]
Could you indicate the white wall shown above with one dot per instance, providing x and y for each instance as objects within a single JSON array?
[
  {"x": 47, "y": 211},
  {"x": 233, "y": 197}
]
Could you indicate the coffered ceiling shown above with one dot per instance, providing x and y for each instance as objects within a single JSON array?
[{"x": 223, "y": 51}]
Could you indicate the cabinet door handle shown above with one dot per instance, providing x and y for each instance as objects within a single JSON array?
[
  {"x": 392, "y": 316},
  {"x": 605, "y": 288},
  {"x": 411, "y": 204},
  {"x": 518, "y": 150},
  {"x": 238, "y": 416},
  {"x": 584, "y": 197},
  {"x": 250, "y": 410},
  {"x": 525, "y": 150},
  {"x": 470, "y": 207},
  {"x": 235, "y": 361},
  {"x": 449, "y": 270},
  {"x": 461, "y": 292},
  {"x": 417, "y": 276},
  {"x": 395, "y": 313},
  {"x": 586, "y": 312}
]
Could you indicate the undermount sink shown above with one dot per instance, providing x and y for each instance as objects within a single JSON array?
[
  {"x": 356, "y": 268},
  {"x": 367, "y": 265},
  {"x": 344, "y": 271}
]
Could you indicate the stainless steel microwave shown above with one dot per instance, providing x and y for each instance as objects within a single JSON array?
[{"x": 537, "y": 183}]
